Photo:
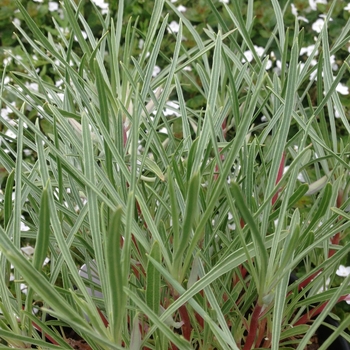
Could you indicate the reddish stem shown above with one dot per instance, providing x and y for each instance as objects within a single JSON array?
[
  {"x": 139, "y": 212},
  {"x": 254, "y": 325},
  {"x": 243, "y": 272},
  {"x": 242, "y": 223},
  {"x": 308, "y": 280},
  {"x": 38, "y": 328},
  {"x": 186, "y": 327},
  {"x": 340, "y": 200},
  {"x": 279, "y": 176},
  {"x": 223, "y": 127},
  {"x": 200, "y": 320},
  {"x": 317, "y": 310},
  {"x": 53, "y": 341},
  {"x": 103, "y": 318},
  {"x": 336, "y": 238},
  {"x": 216, "y": 175},
  {"x": 262, "y": 331}
]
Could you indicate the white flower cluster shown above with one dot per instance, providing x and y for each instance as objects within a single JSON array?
[{"x": 343, "y": 271}]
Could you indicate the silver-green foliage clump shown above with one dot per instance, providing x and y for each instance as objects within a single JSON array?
[{"x": 189, "y": 220}]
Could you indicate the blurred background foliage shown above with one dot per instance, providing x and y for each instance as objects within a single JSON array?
[
  {"x": 49, "y": 17},
  {"x": 199, "y": 13}
]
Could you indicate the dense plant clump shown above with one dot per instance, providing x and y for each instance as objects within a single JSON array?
[{"x": 176, "y": 180}]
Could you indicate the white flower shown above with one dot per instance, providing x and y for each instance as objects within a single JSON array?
[
  {"x": 347, "y": 7},
  {"x": 313, "y": 3},
  {"x": 336, "y": 113},
  {"x": 33, "y": 86},
  {"x": 268, "y": 65},
  {"x": 322, "y": 289},
  {"x": 308, "y": 50},
  {"x": 343, "y": 271},
  {"x": 24, "y": 227},
  {"x": 84, "y": 35},
  {"x": 163, "y": 130},
  {"x": 342, "y": 89},
  {"x": 333, "y": 63},
  {"x": 313, "y": 75},
  {"x": 156, "y": 71},
  {"x": 318, "y": 25},
  {"x": 24, "y": 288},
  {"x": 224, "y": 1},
  {"x": 300, "y": 175},
  {"x": 7, "y": 61},
  {"x": 58, "y": 82},
  {"x": 259, "y": 50},
  {"x": 53, "y": 6},
  {"x": 4, "y": 113},
  {"x": 102, "y": 5},
  {"x": 173, "y": 27},
  {"x": 278, "y": 67},
  {"x": 28, "y": 250},
  {"x": 231, "y": 226},
  {"x": 172, "y": 108},
  {"x": 27, "y": 152},
  {"x": 295, "y": 13},
  {"x": 17, "y": 21},
  {"x": 181, "y": 8},
  {"x": 249, "y": 55}
]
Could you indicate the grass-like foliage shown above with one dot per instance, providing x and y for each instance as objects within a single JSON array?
[{"x": 187, "y": 224}]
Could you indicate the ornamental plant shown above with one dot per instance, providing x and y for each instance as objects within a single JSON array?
[{"x": 169, "y": 227}]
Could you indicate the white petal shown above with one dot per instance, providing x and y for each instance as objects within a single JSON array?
[{"x": 343, "y": 271}]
